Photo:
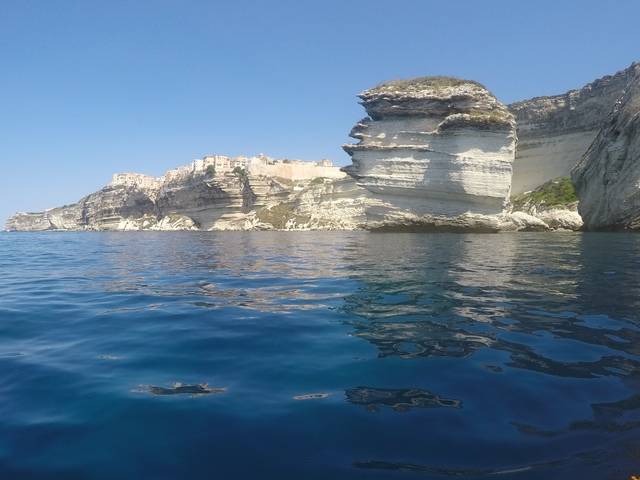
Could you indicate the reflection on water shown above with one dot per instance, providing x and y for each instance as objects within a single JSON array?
[
  {"x": 180, "y": 389},
  {"x": 399, "y": 399},
  {"x": 619, "y": 416},
  {"x": 535, "y": 470},
  {"x": 515, "y": 355},
  {"x": 495, "y": 296}
]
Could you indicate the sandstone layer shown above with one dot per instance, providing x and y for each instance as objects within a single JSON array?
[
  {"x": 434, "y": 146},
  {"x": 607, "y": 178},
  {"x": 554, "y": 132}
]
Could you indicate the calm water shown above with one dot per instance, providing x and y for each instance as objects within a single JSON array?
[{"x": 430, "y": 356}]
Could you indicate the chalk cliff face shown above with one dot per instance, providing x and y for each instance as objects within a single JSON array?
[
  {"x": 607, "y": 178},
  {"x": 555, "y": 132},
  {"x": 434, "y": 146}
]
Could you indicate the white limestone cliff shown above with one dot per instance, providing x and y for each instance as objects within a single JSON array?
[
  {"x": 344, "y": 205},
  {"x": 554, "y": 132},
  {"x": 216, "y": 192},
  {"x": 607, "y": 178},
  {"x": 434, "y": 146},
  {"x": 433, "y": 154},
  {"x": 442, "y": 146}
]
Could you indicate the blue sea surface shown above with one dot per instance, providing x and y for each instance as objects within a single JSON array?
[{"x": 312, "y": 355}]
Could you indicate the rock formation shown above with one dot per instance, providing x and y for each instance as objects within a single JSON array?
[
  {"x": 344, "y": 205},
  {"x": 213, "y": 193},
  {"x": 554, "y": 132},
  {"x": 433, "y": 154},
  {"x": 554, "y": 204},
  {"x": 434, "y": 146},
  {"x": 607, "y": 178}
]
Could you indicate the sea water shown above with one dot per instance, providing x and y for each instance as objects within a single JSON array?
[{"x": 319, "y": 355}]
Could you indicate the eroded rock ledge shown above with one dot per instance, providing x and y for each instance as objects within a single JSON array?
[{"x": 439, "y": 145}]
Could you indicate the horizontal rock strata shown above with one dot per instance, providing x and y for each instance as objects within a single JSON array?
[
  {"x": 434, "y": 146},
  {"x": 213, "y": 193},
  {"x": 345, "y": 205}
]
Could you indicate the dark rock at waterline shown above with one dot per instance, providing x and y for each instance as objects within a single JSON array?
[{"x": 185, "y": 389}]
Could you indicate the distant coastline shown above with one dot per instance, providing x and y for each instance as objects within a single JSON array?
[{"x": 433, "y": 154}]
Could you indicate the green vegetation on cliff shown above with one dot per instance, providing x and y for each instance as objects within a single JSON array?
[
  {"x": 240, "y": 172},
  {"x": 478, "y": 119},
  {"x": 423, "y": 83},
  {"x": 556, "y": 192},
  {"x": 279, "y": 215}
]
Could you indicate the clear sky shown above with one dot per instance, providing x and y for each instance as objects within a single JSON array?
[{"x": 93, "y": 87}]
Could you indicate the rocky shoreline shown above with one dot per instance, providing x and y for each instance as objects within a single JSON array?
[{"x": 432, "y": 154}]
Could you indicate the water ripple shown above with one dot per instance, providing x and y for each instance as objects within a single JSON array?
[{"x": 481, "y": 355}]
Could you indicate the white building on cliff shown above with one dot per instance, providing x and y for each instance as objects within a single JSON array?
[{"x": 267, "y": 166}]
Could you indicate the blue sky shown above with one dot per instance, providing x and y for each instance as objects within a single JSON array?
[{"x": 89, "y": 88}]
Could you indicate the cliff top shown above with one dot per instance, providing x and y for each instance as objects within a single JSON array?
[
  {"x": 437, "y": 96},
  {"x": 419, "y": 87},
  {"x": 595, "y": 88}
]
